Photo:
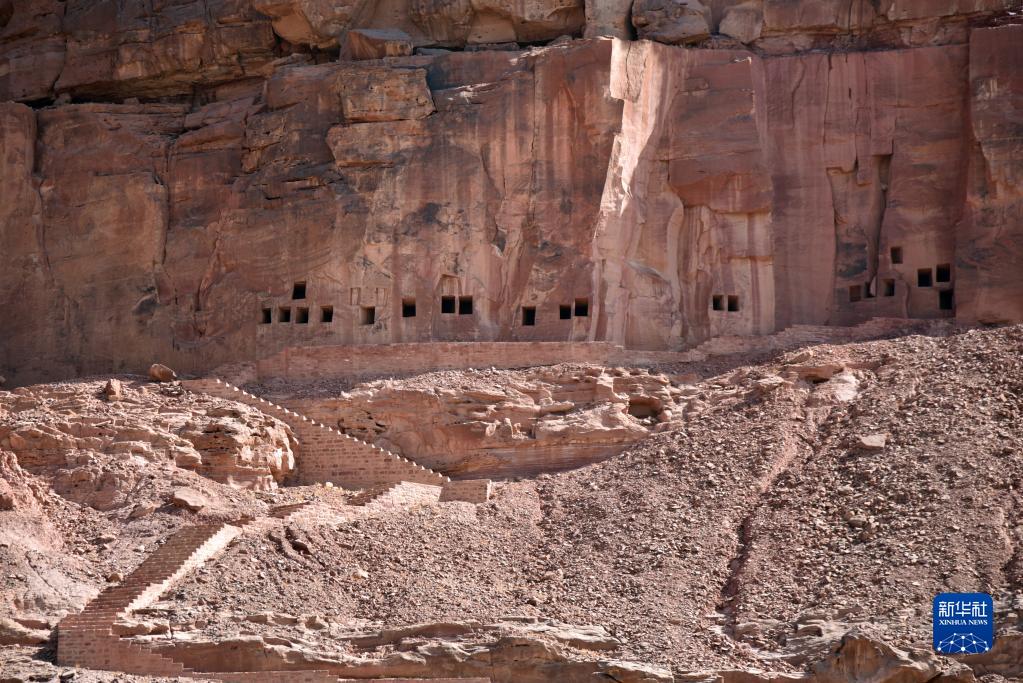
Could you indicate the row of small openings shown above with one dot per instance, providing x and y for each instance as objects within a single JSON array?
[
  {"x": 729, "y": 303},
  {"x": 449, "y": 304},
  {"x": 942, "y": 272},
  {"x": 301, "y": 315},
  {"x": 580, "y": 309},
  {"x": 946, "y": 297},
  {"x": 925, "y": 277}
]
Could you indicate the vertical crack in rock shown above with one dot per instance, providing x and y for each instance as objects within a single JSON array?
[
  {"x": 795, "y": 447},
  {"x": 884, "y": 163}
]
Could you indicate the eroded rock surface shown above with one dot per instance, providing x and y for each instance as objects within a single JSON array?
[
  {"x": 502, "y": 424},
  {"x": 95, "y": 452}
]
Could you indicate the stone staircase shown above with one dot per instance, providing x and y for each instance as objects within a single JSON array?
[
  {"x": 326, "y": 454},
  {"x": 87, "y": 639}
]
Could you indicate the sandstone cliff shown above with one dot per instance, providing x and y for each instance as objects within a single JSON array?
[{"x": 208, "y": 182}]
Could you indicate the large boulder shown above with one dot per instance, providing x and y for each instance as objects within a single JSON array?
[
  {"x": 161, "y": 373},
  {"x": 188, "y": 499},
  {"x": 676, "y": 22}
]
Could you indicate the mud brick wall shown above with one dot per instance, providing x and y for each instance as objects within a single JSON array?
[{"x": 468, "y": 490}]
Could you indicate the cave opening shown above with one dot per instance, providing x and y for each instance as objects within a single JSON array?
[
  {"x": 408, "y": 308},
  {"x": 298, "y": 291},
  {"x": 302, "y": 316},
  {"x": 924, "y": 277},
  {"x": 717, "y": 302},
  {"x": 582, "y": 308},
  {"x": 284, "y": 315},
  {"x": 447, "y": 304},
  {"x": 896, "y": 254},
  {"x": 642, "y": 408},
  {"x": 327, "y": 314},
  {"x": 943, "y": 272},
  {"x": 465, "y": 305},
  {"x": 565, "y": 312},
  {"x": 889, "y": 287},
  {"x": 946, "y": 300},
  {"x": 855, "y": 293},
  {"x": 733, "y": 303},
  {"x": 528, "y": 316},
  {"x": 266, "y": 316},
  {"x": 368, "y": 315}
]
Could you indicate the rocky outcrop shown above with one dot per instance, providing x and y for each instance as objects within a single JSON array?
[
  {"x": 504, "y": 424},
  {"x": 97, "y": 455}
]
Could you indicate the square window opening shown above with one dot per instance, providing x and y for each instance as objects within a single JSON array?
[
  {"x": 284, "y": 315},
  {"x": 465, "y": 305},
  {"x": 855, "y": 293},
  {"x": 298, "y": 290},
  {"x": 943, "y": 272},
  {"x": 733, "y": 303},
  {"x": 946, "y": 300},
  {"x": 582, "y": 308},
  {"x": 717, "y": 302},
  {"x": 327, "y": 314},
  {"x": 896, "y": 254},
  {"x": 565, "y": 312},
  {"x": 889, "y": 287},
  {"x": 528, "y": 316},
  {"x": 447, "y": 304},
  {"x": 266, "y": 316},
  {"x": 368, "y": 315},
  {"x": 924, "y": 278},
  {"x": 408, "y": 308},
  {"x": 302, "y": 316}
]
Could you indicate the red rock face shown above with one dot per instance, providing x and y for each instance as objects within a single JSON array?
[
  {"x": 868, "y": 148},
  {"x": 989, "y": 247},
  {"x": 623, "y": 191}
]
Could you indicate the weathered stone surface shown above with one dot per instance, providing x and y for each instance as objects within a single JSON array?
[
  {"x": 674, "y": 22},
  {"x": 989, "y": 247},
  {"x": 379, "y": 43},
  {"x": 457, "y": 22},
  {"x": 384, "y": 94},
  {"x": 13, "y": 633},
  {"x": 318, "y": 23},
  {"x": 743, "y": 22},
  {"x": 188, "y": 499},
  {"x": 609, "y": 18}
]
